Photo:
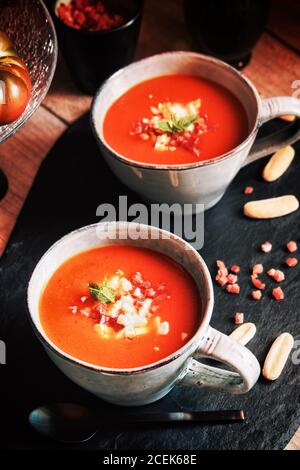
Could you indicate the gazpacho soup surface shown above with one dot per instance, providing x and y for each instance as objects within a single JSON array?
[
  {"x": 120, "y": 306},
  {"x": 175, "y": 119}
]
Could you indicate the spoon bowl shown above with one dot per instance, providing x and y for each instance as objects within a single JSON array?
[{"x": 72, "y": 423}]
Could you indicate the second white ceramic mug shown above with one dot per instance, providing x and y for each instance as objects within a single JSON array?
[
  {"x": 202, "y": 183},
  {"x": 142, "y": 385}
]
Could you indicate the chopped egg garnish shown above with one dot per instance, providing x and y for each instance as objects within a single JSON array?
[
  {"x": 124, "y": 308},
  {"x": 173, "y": 125}
]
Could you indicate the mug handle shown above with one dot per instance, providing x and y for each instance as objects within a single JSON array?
[
  {"x": 270, "y": 109},
  {"x": 220, "y": 347}
]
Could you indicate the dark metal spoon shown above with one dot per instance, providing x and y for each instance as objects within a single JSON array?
[{"x": 71, "y": 423}]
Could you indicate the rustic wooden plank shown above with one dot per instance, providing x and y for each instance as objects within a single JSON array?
[
  {"x": 20, "y": 158},
  {"x": 269, "y": 56},
  {"x": 64, "y": 99},
  {"x": 284, "y": 21},
  {"x": 273, "y": 67}
]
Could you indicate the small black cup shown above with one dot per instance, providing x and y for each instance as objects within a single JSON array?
[{"x": 92, "y": 56}]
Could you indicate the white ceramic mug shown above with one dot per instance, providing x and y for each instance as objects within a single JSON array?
[
  {"x": 142, "y": 385},
  {"x": 200, "y": 182}
]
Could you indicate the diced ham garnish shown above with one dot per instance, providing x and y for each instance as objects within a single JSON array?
[
  {"x": 232, "y": 278},
  {"x": 292, "y": 246},
  {"x": 291, "y": 262},
  {"x": 222, "y": 280},
  {"x": 100, "y": 308},
  {"x": 235, "y": 268},
  {"x": 248, "y": 190},
  {"x": 239, "y": 318},
  {"x": 150, "y": 293},
  {"x": 137, "y": 279},
  {"x": 278, "y": 276},
  {"x": 221, "y": 276},
  {"x": 256, "y": 294},
  {"x": 222, "y": 267},
  {"x": 147, "y": 285},
  {"x": 266, "y": 247},
  {"x": 257, "y": 282},
  {"x": 257, "y": 269},
  {"x": 233, "y": 288},
  {"x": 83, "y": 298},
  {"x": 278, "y": 293}
]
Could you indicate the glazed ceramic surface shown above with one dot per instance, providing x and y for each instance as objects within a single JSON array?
[
  {"x": 142, "y": 385},
  {"x": 202, "y": 183}
]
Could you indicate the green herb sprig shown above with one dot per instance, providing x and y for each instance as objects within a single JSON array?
[
  {"x": 175, "y": 125},
  {"x": 102, "y": 292}
]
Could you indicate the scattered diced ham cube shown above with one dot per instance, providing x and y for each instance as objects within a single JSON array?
[
  {"x": 222, "y": 267},
  {"x": 239, "y": 318},
  {"x": 248, "y": 190},
  {"x": 278, "y": 293},
  {"x": 292, "y": 246},
  {"x": 222, "y": 280},
  {"x": 291, "y": 262},
  {"x": 271, "y": 272},
  {"x": 257, "y": 269},
  {"x": 278, "y": 275},
  {"x": 221, "y": 276},
  {"x": 235, "y": 268},
  {"x": 266, "y": 247},
  {"x": 256, "y": 294},
  {"x": 232, "y": 278},
  {"x": 83, "y": 298},
  {"x": 257, "y": 282},
  {"x": 233, "y": 288}
]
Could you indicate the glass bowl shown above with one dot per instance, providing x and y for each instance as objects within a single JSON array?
[{"x": 29, "y": 26}]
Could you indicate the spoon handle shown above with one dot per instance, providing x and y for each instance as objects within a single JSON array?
[{"x": 218, "y": 416}]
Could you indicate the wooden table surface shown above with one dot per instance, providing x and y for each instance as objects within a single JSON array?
[{"x": 274, "y": 66}]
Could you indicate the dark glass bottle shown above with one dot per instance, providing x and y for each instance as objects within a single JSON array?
[{"x": 226, "y": 29}]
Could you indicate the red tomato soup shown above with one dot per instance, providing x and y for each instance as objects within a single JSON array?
[
  {"x": 175, "y": 119},
  {"x": 120, "y": 306}
]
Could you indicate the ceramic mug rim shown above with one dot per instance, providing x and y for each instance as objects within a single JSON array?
[
  {"x": 190, "y": 345},
  {"x": 178, "y": 167}
]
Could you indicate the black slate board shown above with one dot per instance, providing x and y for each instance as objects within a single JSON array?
[{"x": 71, "y": 183}]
